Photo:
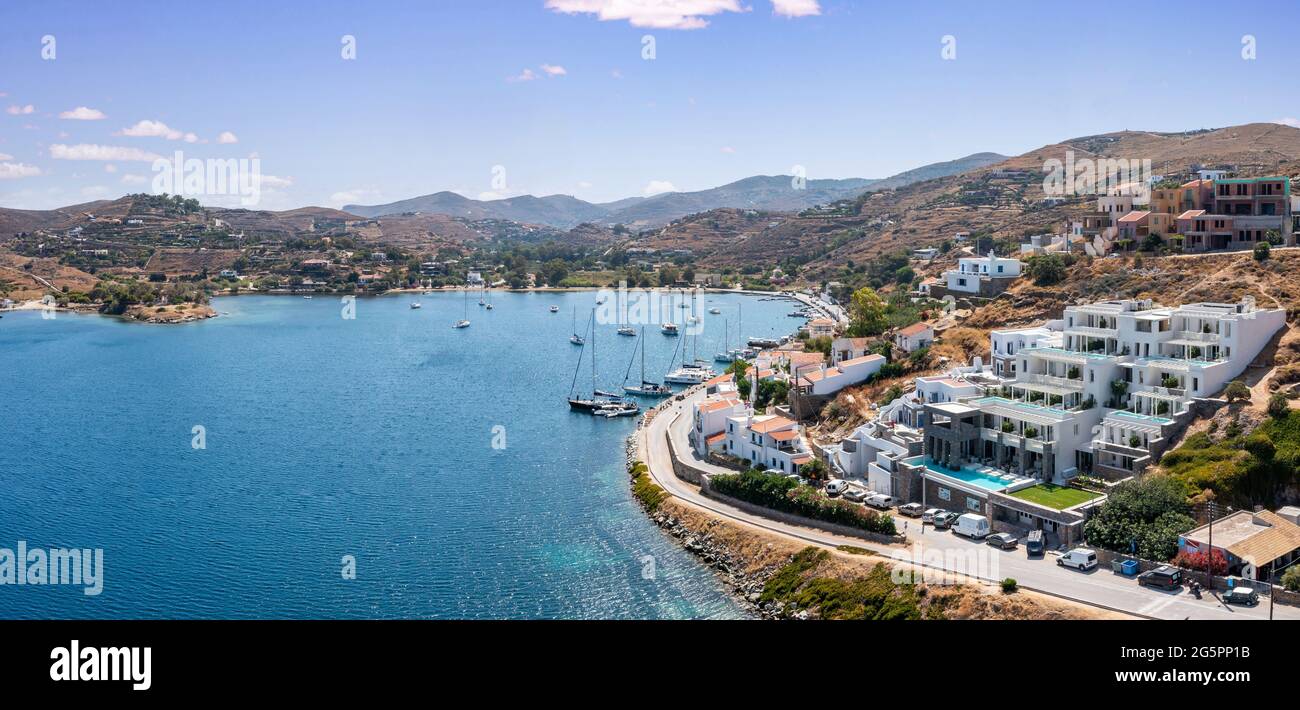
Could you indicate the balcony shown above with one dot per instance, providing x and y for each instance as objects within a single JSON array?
[
  {"x": 1197, "y": 336},
  {"x": 1051, "y": 381},
  {"x": 1115, "y": 447},
  {"x": 1093, "y": 332}
]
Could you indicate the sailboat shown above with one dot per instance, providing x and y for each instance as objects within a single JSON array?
[
  {"x": 646, "y": 388},
  {"x": 690, "y": 373},
  {"x": 600, "y": 403},
  {"x": 575, "y": 338},
  {"x": 726, "y": 355},
  {"x": 482, "y": 290},
  {"x": 489, "y": 298},
  {"x": 464, "y": 322}
]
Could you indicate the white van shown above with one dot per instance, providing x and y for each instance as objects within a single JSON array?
[
  {"x": 1080, "y": 558},
  {"x": 836, "y": 486},
  {"x": 975, "y": 527}
]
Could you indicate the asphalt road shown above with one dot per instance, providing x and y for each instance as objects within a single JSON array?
[{"x": 943, "y": 551}]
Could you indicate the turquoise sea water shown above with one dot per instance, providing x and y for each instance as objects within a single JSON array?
[{"x": 371, "y": 437}]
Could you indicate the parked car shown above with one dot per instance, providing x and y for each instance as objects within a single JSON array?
[
  {"x": 975, "y": 527},
  {"x": 1164, "y": 577},
  {"x": 1080, "y": 558},
  {"x": 911, "y": 510},
  {"x": 1241, "y": 595},
  {"x": 774, "y": 472},
  {"x": 944, "y": 520},
  {"x": 857, "y": 495},
  {"x": 1034, "y": 544},
  {"x": 1005, "y": 541},
  {"x": 836, "y": 486},
  {"x": 928, "y": 515},
  {"x": 881, "y": 501}
]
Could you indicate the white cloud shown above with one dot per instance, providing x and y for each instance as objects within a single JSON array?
[
  {"x": 584, "y": 184},
  {"x": 1292, "y": 122},
  {"x": 82, "y": 113},
  {"x": 6, "y": 156},
  {"x": 20, "y": 110},
  {"x": 134, "y": 179},
  {"x": 655, "y": 187},
  {"x": 10, "y": 171},
  {"x": 358, "y": 196},
  {"x": 796, "y": 8},
  {"x": 110, "y": 168},
  {"x": 616, "y": 74},
  {"x": 227, "y": 137},
  {"x": 728, "y": 149},
  {"x": 525, "y": 75},
  {"x": 656, "y": 14},
  {"x": 90, "y": 151},
  {"x": 157, "y": 129},
  {"x": 554, "y": 70},
  {"x": 274, "y": 182}
]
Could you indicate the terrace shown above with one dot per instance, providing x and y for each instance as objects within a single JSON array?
[{"x": 1053, "y": 496}]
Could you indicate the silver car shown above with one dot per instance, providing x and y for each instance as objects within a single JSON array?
[{"x": 857, "y": 495}]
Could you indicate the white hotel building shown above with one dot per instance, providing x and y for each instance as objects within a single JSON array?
[{"x": 1103, "y": 394}]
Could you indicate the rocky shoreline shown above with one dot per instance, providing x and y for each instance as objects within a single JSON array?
[{"x": 745, "y": 586}]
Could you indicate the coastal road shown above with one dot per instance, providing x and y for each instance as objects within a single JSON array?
[{"x": 1100, "y": 587}]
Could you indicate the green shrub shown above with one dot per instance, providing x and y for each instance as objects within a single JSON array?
[
  {"x": 775, "y": 491},
  {"x": 1291, "y": 578},
  {"x": 1278, "y": 408},
  {"x": 1009, "y": 585}
]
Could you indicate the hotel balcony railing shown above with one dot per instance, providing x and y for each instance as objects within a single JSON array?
[
  {"x": 1197, "y": 336},
  {"x": 1093, "y": 331},
  {"x": 1119, "y": 448},
  {"x": 1063, "y": 382}
]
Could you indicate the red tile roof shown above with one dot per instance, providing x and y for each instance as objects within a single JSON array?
[
  {"x": 914, "y": 329},
  {"x": 771, "y": 425}
]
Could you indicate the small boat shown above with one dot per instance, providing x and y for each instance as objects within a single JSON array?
[
  {"x": 490, "y": 306},
  {"x": 715, "y": 310},
  {"x": 686, "y": 375},
  {"x": 763, "y": 342},
  {"x": 622, "y": 409},
  {"x": 575, "y": 338},
  {"x": 668, "y": 328},
  {"x": 693, "y": 319},
  {"x": 555, "y": 309},
  {"x": 464, "y": 321},
  {"x": 646, "y": 388},
  {"x": 415, "y": 305},
  {"x": 307, "y": 297},
  {"x": 627, "y": 331}
]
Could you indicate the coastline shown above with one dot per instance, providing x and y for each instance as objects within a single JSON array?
[{"x": 745, "y": 557}]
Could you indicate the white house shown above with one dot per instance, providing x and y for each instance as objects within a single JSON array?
[
  {"x": 984, "y": 275},
  {"x": 709, "y": 422},
  {"x": 767, "y": 441},
  {"x": 872, "y": 452},
  {"x": 849, "y": 348},
  {"x": 914, "y": 337},
  {"x": 1007, "y": 342},
  {"x": 821, "y": 328},
  {"x": 826, "y": 381}
]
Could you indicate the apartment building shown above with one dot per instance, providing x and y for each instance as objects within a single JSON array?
[
  {"x": 709, "y": 422},
  {"x": 1105, "y": 397},
  {"x": 871, "y": 454}
]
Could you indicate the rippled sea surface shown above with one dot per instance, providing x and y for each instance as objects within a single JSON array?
[{"x": 326, "y": 437}]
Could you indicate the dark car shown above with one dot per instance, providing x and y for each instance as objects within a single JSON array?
[
  {"x": 1034, "y": 545},
  {"x": 1241, "y": 595},
  {"x": 1005, "y": 541},
  {"x": 1164, "y": 577}
]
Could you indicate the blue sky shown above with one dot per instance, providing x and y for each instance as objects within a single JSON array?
[{"x": 442, "y": 92}]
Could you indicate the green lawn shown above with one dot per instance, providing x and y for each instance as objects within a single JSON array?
[{"x": 1053, "y": 496}]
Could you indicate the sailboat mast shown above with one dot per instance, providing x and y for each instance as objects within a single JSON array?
[
  {"x": 593, "y": 352},
  {"x": 642, "y": 355}
]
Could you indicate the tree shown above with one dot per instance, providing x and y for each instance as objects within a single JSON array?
[
  {"x": 1236, "y": 390},
  {"x": 814, "y": 470},
  {"x": 868, "y": 313},
  {"x": 1149, "y": 514},
  {"x": 1278, "y": 408},
  {"x": 1046, "y": 269},
  {"x": 1262, "y": 251},
  {"x": 1291, "y": 578}
]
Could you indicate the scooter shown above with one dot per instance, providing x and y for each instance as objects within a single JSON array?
[{"x": 1196, "y": 589}]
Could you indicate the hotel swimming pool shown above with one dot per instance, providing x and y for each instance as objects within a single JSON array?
[{"x": 989, "y": 479}]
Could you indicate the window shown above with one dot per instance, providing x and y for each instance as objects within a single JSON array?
[
  {"x": 972, "y": 503},
  {"x": 945, "y": 494}
]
